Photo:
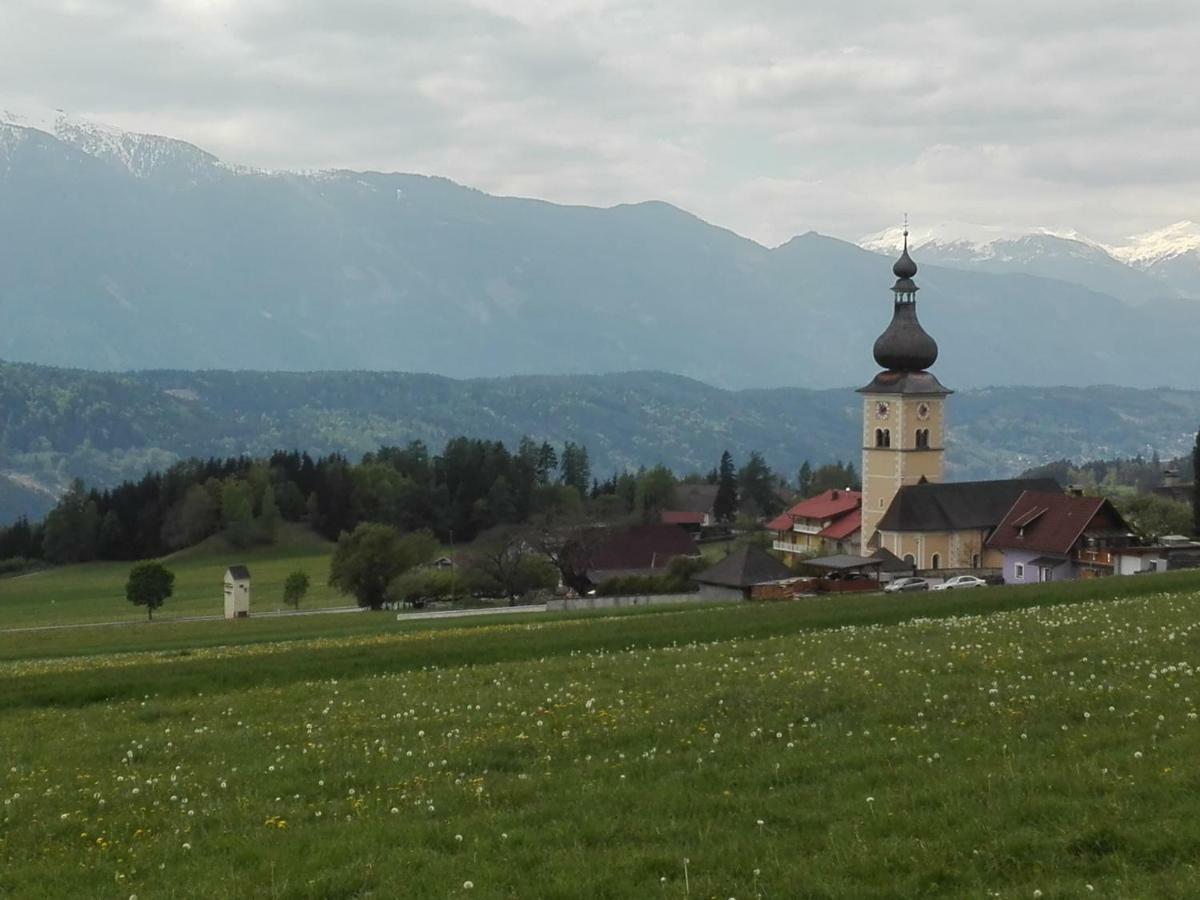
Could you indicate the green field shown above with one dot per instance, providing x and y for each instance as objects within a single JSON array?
[
  {"x": 95, "y": 592},
  {"x": 863, "y": 747}
]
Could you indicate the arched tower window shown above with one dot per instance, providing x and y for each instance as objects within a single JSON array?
[
  {"x": 922, "y": 438},
  {"x": 887, "y": 437},
  {"x": 935, "y": 562},
  {"x": 883, "y": 437}
]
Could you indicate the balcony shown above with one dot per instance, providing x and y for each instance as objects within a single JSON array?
[
  {"x": 789, "y": 547},
  {"x": 805, "y": 528}
]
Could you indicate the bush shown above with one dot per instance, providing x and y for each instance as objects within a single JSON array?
[{"x": 15, "y": 565}]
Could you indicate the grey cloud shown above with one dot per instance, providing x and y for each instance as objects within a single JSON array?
[{"x": 768, "y": 116}]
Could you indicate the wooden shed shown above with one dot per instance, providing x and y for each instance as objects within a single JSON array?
[{"x": 237, "y": 592}]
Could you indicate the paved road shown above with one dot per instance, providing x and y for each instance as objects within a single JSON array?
[{"x": 284, "y": 613}]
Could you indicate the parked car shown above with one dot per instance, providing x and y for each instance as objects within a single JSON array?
[
  {"x": 960, "y": 581},
  {"x": 907, "y": 584}
]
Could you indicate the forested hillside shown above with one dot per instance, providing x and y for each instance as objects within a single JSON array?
[
  {"x": 178, "y": 260},
  {"x": 57, "y": 424}
]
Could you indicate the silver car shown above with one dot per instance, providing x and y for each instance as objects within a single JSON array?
[
  {"x": 960, "y": 581},
  {"x": 906, "y": 584}
]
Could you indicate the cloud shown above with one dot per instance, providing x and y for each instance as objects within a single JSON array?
[{"x": 767, "y": 116}]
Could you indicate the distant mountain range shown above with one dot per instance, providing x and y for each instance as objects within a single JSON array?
[
  {"x": 1159, "y": 264},
  {"x": 58, "y": 423},
  {"x": 122, "y": 251}
]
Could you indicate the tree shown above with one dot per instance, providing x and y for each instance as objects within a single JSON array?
[
  {"x": 237, "y": 513},
  {"x": 268, "y": 517},
  {"x": 1153, "y": 516},
  {"x": 1196, "y": 486},
  {"x": 507, "y": 562},
  {"x": 547, "y": 462},
  {"x": 576, "y": 470},
  {"x": 149, "y": 585},
  {"x": 500, "y": 502},
  {"x": 804, "y": 480},
  {"x": 295, "y": 586},
  {"x": 193, "y": 519},
  {"x": 73, "y": 527},
  {"x": 367, "y": 559},
  {"x": 417, "y": 587},
  {"x": 834, "y": 477},
  {"x": 655, "y": 492},
  {"x": 756, "y": 484},
  {"x": 725, "y": 506}
]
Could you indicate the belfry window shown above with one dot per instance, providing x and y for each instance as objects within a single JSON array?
[
  {"x": 922, "y": 438},
  {"x": 883, "y": 437}
]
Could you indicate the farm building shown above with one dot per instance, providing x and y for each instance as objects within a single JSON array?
[{"x": 237, "y": 592}]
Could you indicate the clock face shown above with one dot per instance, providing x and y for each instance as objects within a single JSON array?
[
  {"x": 923, "y": 411},
  {"x": 881, "y": 410}
]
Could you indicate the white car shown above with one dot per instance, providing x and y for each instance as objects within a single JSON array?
[{"x": 960, "y": 581}]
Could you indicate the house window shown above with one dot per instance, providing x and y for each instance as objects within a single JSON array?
[
  {"x": 1019, "y": 571},
  {"x": 935, "y": 562}
]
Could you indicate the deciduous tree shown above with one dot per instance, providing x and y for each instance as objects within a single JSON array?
[
  {"x": 295, "y": 586},
  {"x": 149, "y": 585},
  {"x": 367, "y": 559}
]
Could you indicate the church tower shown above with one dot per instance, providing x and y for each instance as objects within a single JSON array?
[{"x": 904, "y": 407}]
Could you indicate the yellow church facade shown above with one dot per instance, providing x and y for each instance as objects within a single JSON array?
[{"x": 908, "y": 507}]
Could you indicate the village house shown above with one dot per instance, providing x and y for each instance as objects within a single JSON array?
[
  {"x": 693, "y": 507},
  {"x": 829, "y": 523},
  {"x": 1048, "y": 536},
  {"x": 742, "y": 573},
  {"x": 638, "y": 550}
]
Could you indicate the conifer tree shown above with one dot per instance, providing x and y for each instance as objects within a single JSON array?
[{"x": 725, "y": 506}]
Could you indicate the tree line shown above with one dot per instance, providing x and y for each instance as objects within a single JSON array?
[{"x": 472, "y": 486}]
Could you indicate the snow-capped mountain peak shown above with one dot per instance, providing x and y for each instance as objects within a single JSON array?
[
  {"x": 1153, "y": 246},
  {"x": 969, "y": 239},
  {"x": 140, "y": 154}
]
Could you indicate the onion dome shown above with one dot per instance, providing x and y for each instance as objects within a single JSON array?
[{"x": 905, "y": 346}]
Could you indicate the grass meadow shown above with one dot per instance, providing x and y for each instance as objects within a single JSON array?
[
  {"x": 1025, "y": 742},
  {"x": 95, "y": 592}
]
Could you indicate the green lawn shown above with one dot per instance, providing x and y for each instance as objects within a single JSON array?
[
  {"x": 858, "y": 747},
  {"x": 95, "y": 592}
]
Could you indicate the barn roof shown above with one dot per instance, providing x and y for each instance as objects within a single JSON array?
[
  {"x": 745, "y": 567},
  {"x": 641, "y": 547}
]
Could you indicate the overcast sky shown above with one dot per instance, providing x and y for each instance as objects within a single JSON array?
[{"x": 770, "y": 117}]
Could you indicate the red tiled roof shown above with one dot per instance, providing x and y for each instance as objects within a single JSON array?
[
  {"x": 844, "y": 527},
  {"x": 1059, "y": 522},
  {"x": 829, "y": 505},
  {"x": 782, "y": 522},
  {"x": 678, "y": 517}
]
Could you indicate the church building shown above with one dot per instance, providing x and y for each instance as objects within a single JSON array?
[{"x": 907, "y": 507}]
